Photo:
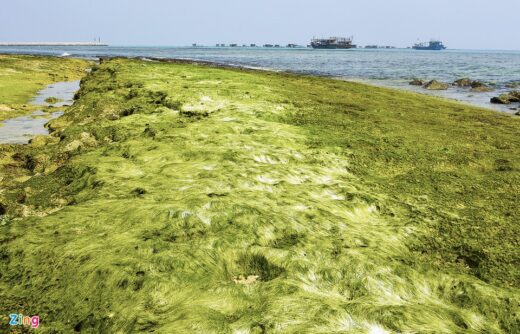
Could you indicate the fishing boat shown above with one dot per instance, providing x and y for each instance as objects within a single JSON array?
[
  {"x": 432, "y": 45},
  {"x": 332, "y": 43}
]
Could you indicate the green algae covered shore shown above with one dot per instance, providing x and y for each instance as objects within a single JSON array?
[
  {"x": 22, "y": 76},
  {"x": 188, "y": 198}
]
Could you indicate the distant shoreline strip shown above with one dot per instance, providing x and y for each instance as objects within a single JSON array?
[{"x": 52, "y": 44}]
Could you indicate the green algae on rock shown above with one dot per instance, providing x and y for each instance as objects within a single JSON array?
[
  {"x": 416, "y": 82},
  {"x": 506, "y": 98},
  {"x": 475, "y": 85},
  {"x": 181, "y": 198},
  {"x": 52, "y": 100},
  {"x": 463, "y": 82},
  {"x": 436, "y": 85},
  {"x": 480, "y": 87}
]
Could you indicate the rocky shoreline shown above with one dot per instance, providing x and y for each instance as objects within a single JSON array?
[{"x": 475, "y": 86}]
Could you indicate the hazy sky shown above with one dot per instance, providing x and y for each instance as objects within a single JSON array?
[{"x": 475, "y": 24}]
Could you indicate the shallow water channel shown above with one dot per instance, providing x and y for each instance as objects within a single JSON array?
[{"x": 21, "y": 129}]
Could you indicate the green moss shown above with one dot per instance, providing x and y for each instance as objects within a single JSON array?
[{"x": 187, "y": 198}]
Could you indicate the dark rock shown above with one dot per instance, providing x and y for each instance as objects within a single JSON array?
[
  {"x": 502, "y": 99},
  {"x": 436, "y": 85},
  {"x": 463, "y": 82},
  {"x": 416, "y": 82},
  {"x": 507, "y": 98},
  {"x": 482, "y": 89},
  {"x": 515, "y": 96},
  {"x": 477, "y": 84}
]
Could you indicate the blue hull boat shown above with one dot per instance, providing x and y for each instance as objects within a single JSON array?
[{"x": 432, "y": 45}]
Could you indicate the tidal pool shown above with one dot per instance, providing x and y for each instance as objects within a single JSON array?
[
  {"x": 21, "y": 129},
  {"x": 63, "y": 91}
]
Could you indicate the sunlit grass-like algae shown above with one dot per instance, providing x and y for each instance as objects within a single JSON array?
[{"x": 181, "y": 198}]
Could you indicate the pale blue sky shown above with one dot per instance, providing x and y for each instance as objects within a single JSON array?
[{"x": 475, "y": 24}]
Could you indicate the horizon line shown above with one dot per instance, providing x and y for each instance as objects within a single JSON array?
[{"x": 239, "y": 45}]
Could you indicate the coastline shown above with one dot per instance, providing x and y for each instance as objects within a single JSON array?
[
  {"x": 382, "y": 68},
  {"x": 369, "y": 82},
  {"x": 24, "y": 75},
  {"x": 226, "y": 194}
]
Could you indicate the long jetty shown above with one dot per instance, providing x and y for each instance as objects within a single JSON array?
[{"x": 52, "y": 44}]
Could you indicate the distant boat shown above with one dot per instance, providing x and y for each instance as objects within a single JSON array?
[
  {"x": 268, "y": 45},
  {"x": 432, "y": 45},
  {"x": 332, "y": 43}
]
